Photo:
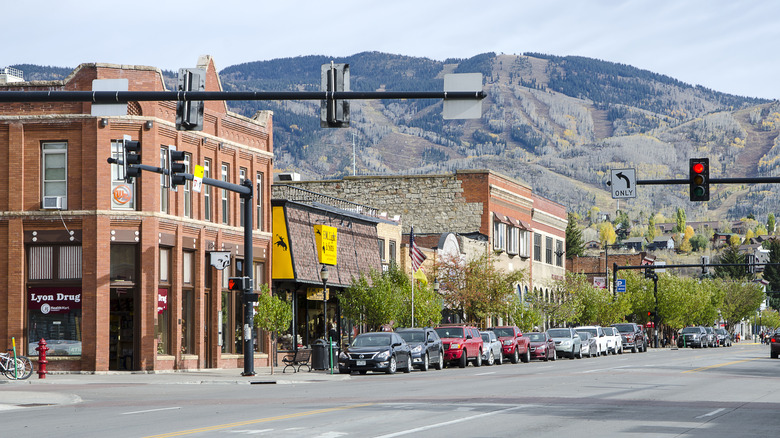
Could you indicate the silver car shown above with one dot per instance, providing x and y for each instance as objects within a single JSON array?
[
  {"x": 567, "y": 342},
  {"x": 492, "y": 348},
  {"x": 590, "y": 347}
]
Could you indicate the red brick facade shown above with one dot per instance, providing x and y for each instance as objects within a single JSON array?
[{"x": 112, "y": 308}]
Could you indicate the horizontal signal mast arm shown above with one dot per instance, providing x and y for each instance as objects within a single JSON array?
[{"x": 183, "y": 96}]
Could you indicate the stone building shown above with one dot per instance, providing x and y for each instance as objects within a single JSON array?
[{"x": 116, "y": 275}]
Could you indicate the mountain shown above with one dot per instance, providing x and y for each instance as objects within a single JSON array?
[{"x": 558, "y": 123}]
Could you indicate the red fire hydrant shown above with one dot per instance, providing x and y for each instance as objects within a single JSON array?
[{"x": 42, "y": 349}]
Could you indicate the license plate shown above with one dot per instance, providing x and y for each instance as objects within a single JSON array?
[{"x": 360, "y": 363}]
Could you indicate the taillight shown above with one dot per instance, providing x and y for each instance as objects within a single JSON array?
[{"x": 773, "y": 340}]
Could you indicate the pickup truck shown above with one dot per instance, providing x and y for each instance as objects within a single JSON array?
[
  {"x": 633, "y": 336},
  {"x": 514, "y": 345}
]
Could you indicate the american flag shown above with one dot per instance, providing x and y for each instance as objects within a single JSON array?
[{"x": 415, "y": 254}]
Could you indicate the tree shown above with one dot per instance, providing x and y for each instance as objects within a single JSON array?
[
  {"x": 770, "y": 223},
  {"x": 273, "y": 315},
  {"x": 680, "y": 218},
  {"x": 731, "y": 255},
  {"x": 740, "y": 300},
  {"x": 772, "y": 272},
  {"x": 574, "y": 244},
  {"x": 699, "y": 243},
  {"x": 607, "y": 234},
  {"x": 651, "y": 231},
  {"x": 372, "y": 303}
]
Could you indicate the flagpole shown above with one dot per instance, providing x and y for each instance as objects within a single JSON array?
[{"x": 411, "y": 242}]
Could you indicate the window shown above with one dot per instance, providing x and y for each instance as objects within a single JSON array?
[
  {"x": 122, "y": 193},
  {"x": 558, "y": 253},
  {"x": 512, "y": 238},
  {"x": 187, "y": 258},
  {"x": 188, "y": 321},
  {"x": 162, "y": 325},
  {"x": 163, "y": 183},
  {"x": 188, "y": 186},
  {"x": 259, "y": 200},
  {"x": 381, "y": 244},
  {"x": 499, "y": 235},
  {"x": 123, "y": 263},
  {"x": 537, "y": 247},
  {"x": 165, "y": 263},
  {"x": 242, "y": 201},
  {"x": 392, "y": 252},
  {"x": 225, "y": 203},
  {"x": 523, "y": 244},
  {"x": 206, "y": 191},
  {"x": 55, "y": 170},
  {"x": 548, "y": 250}
]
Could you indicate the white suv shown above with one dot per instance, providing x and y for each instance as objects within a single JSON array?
[
  {"x": 614, "y": 340},
  {"x": 598, "y": 332}
]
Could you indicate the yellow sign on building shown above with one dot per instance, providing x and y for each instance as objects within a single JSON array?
[
  {"x": 326, "y": 238},
  {"x": 282, "y": 260},
  {"x": 313, "y": 293}
]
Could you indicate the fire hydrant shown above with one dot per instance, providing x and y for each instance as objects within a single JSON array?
[{"x": 42, "y": 349}]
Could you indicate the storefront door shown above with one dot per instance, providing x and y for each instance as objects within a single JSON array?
[{"x": 122, "y": 327}]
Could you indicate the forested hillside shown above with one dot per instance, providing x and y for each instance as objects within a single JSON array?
[{"x": 558, "y": 123}]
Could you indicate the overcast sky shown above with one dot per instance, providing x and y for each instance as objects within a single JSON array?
[{"x": 726, "y": 45}]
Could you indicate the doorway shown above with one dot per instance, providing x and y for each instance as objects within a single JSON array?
[{"x": 121, "y": 330}]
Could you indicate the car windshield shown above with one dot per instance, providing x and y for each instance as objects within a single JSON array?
[
  {"x": 691, "y": 330},
  {"x": 504, "y": 332},
  {"x": 608, "y": 331},
  {"x": 721, "y": 331},
  {"x": 592, "y": 331},
  {"x": 485, "y": 337},
  {"x": 624, "y": 328},
  {"x": 584, "y": 336},
  {"x": 450, "y": 332},
  {"x": 535, "y": 337},
  {"x": 412, "y": 336},
  {"x": 372, "y": 340},
  {"x": 559, "y": 333}
]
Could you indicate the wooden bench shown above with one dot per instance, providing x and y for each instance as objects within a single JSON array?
[{"x": 298, "y": 359}]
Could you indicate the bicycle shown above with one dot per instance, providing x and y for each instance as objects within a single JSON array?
[{"x": 18, "y": 369}]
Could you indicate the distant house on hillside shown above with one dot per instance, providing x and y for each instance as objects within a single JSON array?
[
  {"x": 660, "y": 243},
  {"x": 635, "y": 243}
]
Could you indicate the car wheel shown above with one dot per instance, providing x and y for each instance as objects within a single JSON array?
[
  {"x": 555, "y": 355},
  {"x": 633, "y": 349},
  {"x": 621, "y": 350},
  {"x": 491, "y": 359},
  {"x": 546, "y": 355},
  {"x": 362, "y": 372},
  {"x": 515, "y": 357},
  {"x": 408, "y": 368},
  {"x": 527, "y": 356},
  {"x": 572, "y": 355},
  {"x": 773, "y": 354},
  {"x": 463, "y": 361},
  {"x": 478, "y": 360},
  {"x": 425, "y": 364},
  {"x": 501, "y": 358},
  {"x": 392, "y": 366},
  {"x": 579, "y": 353},
  {"x": 440, "y": 364}
]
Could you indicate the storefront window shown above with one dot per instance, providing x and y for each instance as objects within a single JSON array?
[
  {"x": 54, "y": 315},
  {"x": 123, "y": 263},
  {"x": 161, "y": 325},
  {"x": 188, "y": 322},
  {"x": 227, "y": 332}
]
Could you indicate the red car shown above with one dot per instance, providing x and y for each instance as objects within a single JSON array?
[
  {"x": 513, "y": 344},
  {"x": 542, "y": 346},
  {"x": 462, "y": 343}
]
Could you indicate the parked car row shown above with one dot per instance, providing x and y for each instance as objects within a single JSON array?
[
  {"x": 703, "y": 337},
  {"x": 459, "y": 345}
]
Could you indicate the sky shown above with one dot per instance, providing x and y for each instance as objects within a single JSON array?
[{"x": 728, "y": 46}]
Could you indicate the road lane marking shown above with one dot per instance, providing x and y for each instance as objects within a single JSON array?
[
  {"x": 720, "y": 365},
  {"x": 485, "y": 374},
  {"x": 150, "y": 410},
  {"x": 259, "y": 420},
  {"x": 710, "y": 414},
  {"x": 446, "y": 423}
]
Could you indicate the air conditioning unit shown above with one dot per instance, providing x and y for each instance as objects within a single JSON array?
[
  {"x": 52, "y": 202},
  {"x": 288, "y": 176}
]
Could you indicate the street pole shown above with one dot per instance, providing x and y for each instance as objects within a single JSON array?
[
  {"x": 249, "y": 295},
  {"x": 656, "y": 318}
]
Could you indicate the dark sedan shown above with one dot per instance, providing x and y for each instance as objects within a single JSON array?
[
  {"x": 376, "y": 351},
  {"x": 774, "y": 344},
  {"x": 427, "y": 349},
  {"x": 542, "y": 346}
]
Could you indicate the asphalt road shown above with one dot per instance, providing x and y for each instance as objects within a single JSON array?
[{"x": 722, "y": 392}]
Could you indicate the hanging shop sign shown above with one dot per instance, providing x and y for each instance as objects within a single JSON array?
[
  {"x": 326, "y": 238},
  {"x": 54, "y": 299}
]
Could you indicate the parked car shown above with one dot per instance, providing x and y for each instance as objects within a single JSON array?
[
  {"x": 462, "y": 343},
  {"x": 514, "y": 345},
  {"x": 598, "y": 332},
  {"x": 712, "y": 337},
  {"x": 614, "y": 340},
  {"x": 376, "y": 351},
  {"x": 567, "y": 343},
  {"x": 646, "y": 338},
  {"x": 542, "y": 346},
  {"x": 491, "y": 348},
  {"x": 774, "y": 344},
  {"x": 632, "y": 335},
  {"x": 724, "y": 337},
  {"x": 590, "y": 347},
  {"x": 694, "y": 337},
  {"x": 426, "y": 346}
]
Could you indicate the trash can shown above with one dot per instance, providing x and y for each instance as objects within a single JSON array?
[{"x": 319, "y": 355}]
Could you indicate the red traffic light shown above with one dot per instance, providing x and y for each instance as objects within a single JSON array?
[{"x": 698, "y": 168}]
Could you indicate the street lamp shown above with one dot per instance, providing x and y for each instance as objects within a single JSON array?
[
  {"x": 324, "y": 277},
  {"x": 436, "y": 285}
]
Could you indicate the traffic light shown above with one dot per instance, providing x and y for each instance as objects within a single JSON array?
[
  {"x": 176, "y": 168},
  {"x": 334, "y": 113},
  {"x": 189, "y": 114},
  {"x": 650, "y": 314},
  {"x": 131, "y": 155},
  {"x": 239, "y": 283},
  {"x": 700, "y": 179}
]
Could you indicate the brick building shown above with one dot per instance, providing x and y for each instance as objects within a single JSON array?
[
  {"x": 115, "y": 275},
  {"x": 526, "y": 231}
]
